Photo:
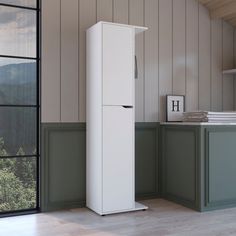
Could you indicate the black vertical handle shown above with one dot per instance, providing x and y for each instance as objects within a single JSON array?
[{"x": 136, "y": 67}]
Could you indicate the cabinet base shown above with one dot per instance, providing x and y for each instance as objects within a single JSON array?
[{"x": 138, "y": 207}]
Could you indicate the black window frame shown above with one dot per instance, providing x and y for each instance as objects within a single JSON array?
[{"x": 37, "y": 106}]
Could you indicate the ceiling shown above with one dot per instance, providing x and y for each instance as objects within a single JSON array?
[{"x": 225, "y": 9}]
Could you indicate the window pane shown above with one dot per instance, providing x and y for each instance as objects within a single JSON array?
[
  {"x": 24, "y": 3},
  {"x": 17, "y": 131},
  {"x": 17, "y": 32},
  {"x": 17, "y": 184},
  {"x": 17, "y": 82}
]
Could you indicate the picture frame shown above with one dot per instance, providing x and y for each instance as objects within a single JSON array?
[{"x": 175, "y": 106}]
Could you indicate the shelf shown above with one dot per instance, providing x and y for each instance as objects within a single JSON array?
[{"x": 232, "y": 71}]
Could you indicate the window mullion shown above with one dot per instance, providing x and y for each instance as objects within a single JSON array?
[{"x": 17, "y": 6}]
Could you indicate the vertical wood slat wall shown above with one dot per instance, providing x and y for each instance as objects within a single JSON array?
[
  {"x": 183, "y": 52},
  {"x": 136, "y": 17}
]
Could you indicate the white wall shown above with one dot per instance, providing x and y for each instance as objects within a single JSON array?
[{"x": 183, "y": 52}]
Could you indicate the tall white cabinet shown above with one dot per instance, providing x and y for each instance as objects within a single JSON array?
[{"x": 110, "y": 93}]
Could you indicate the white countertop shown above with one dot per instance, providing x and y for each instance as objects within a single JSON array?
[{"x": 195, "y": 123}]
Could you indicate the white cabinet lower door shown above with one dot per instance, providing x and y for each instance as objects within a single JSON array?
[{"x": 118, "y": 158}]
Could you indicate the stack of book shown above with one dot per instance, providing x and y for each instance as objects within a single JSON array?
[{"x": 209, "y": 116}]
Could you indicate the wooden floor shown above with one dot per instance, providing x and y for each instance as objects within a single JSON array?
[{"x": 163, "y": 218}]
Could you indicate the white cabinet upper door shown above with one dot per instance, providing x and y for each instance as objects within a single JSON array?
[
  {"x": 118, "y": 65},
  {"x": 118, "y": 158}
]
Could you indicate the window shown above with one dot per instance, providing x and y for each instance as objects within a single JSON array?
[{"x": 19, "y": 105}]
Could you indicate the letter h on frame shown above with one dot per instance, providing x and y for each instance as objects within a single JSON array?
[{"x": 175, "y": 105}]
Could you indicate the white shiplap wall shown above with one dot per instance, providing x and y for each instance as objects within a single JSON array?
[{"x": 183, "y": 52}]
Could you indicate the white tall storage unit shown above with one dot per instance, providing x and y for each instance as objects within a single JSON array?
[{"x": 110, "y": 118}]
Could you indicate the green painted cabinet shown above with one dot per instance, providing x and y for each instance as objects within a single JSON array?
[
  {"x": 63, "y": 164},
  {"x": 199, "y": 165},
  {"x": 146, "y": 160}
]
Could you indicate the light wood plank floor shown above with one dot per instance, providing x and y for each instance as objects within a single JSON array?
[{"x": 163, "y": 218}]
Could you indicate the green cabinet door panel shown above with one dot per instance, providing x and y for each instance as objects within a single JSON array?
[
  {"x": 181, "y": 153},
  {"x": 146, "y": 160},
  {"x": 199, "y": 165},
  {"x": 63, "y": 166},
  {"x": 221, "y": 164}
]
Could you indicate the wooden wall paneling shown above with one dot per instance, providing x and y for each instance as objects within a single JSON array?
[
  {"x": 191, "y": 55},
  {"x": 136, "y": 17},
  {"x": 161, "y": 55},
  {"x": 165, "y": 54},
  {"x": 224, "y": 9},
  {"x": 228, "y": 92},
  {"x": 204, "y": 1},
  {"x": 204, "y": 59},
  {"x": 104, "y": 10},
  {"x": 215, "y": 4},
  {"x": 121, "y": 11},
  {"x": 151, "y": 61},
  {"x": 87, "y": 17},
  {"x": 216, "y": 65},
  {"x": 179, "y": 55},
  {"x": 69, "y": 61},
  {"x": 51, "y": 61}
]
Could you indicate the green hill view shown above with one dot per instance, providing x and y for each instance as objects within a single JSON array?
[{"x": 17, "y": 136}]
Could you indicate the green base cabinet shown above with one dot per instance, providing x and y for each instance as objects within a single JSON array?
[
  {"x": 199, "y": 165},
  {"x": 63, "y": 164},
  {"x": 146, "y": 160}
]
